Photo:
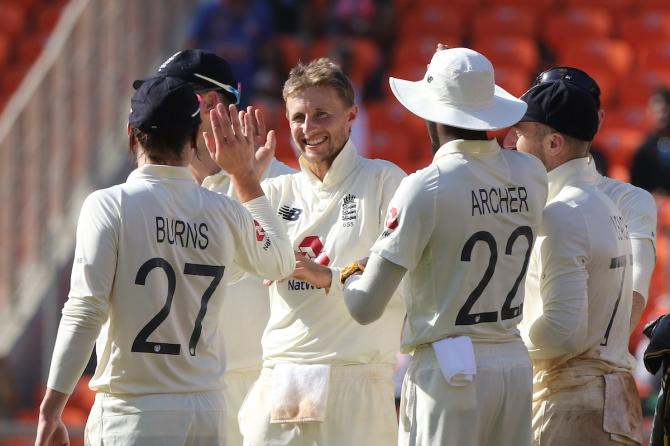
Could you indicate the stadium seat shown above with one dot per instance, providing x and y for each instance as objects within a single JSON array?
[
  {"x": 13, "y": 19},
  {"x": 654, "y": 55},
  {"x": 467, "y": 7},
  {"x": 365, "y": 56},
  {"x": 432, "y": 20},
  {"x": 649, "y": 5},
  {"x": 505, "y": 51},
  {"x": 619, "y": 145},
  {"x": 513, "y": 79},
  {"x": 646, "y": 28},
  {"x": 617, "y": 8},
  {"x": 631, "y": 117},
  {"x": 538, "y": 7},
  {"x": 292, "y": 49},
  {"x": 576, "y": 26},
  {"x": 639, "y": 87},
  {"x": 615, "y": 56},
  {"x": 31, "y": 46},
  {"x": 5, "y": 48},
  {"x": 504, "y": 21}
]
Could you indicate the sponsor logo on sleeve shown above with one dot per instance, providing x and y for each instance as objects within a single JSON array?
[
  {"x": 261, "y": 236},
  {"x": 391, "y": 222},
  {"x": 312, "y": 248}
]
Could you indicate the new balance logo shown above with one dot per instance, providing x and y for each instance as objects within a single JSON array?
[{"x": 289, "y": 213}]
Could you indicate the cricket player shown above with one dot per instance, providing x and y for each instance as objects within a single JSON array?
[
  {"x": 577, "y": 316},
  {"x": 246, "y": 308},
  {"x": 637, "y": 206},
  {"x": 460, "y": 232},
  {"x": 152, "y": 261},
  {"x": 325, "y": 379}
]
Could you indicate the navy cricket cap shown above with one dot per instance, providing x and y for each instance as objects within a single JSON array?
[
  {"x": 563, "y": 106},
  {"x": 571, "y": 74},
  {"x": 162, "y": 103},
  {"x": 204, "y": 69}
]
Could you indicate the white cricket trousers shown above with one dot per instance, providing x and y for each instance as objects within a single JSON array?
[
  {"x": 360, "y": 411},
  {"x": 181, "y": 419},
  {"x": 238, "y": 385},
  {"x": 495, "y": 409}
]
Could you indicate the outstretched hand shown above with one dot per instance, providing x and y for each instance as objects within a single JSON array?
[
  {"x": 265, "y": 143},
  {"x": 231, "y": 142}
]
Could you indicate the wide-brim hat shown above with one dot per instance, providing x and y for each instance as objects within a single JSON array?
[{"x": 459, "y": 90}]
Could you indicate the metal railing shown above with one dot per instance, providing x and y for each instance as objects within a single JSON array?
[{"x": 62, "y": 134}]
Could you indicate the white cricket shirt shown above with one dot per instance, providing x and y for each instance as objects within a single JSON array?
[
  {"x": 334, "y": 222},
  {"x": 152, "y": 260},
  {"x": 638, "y": 209},
  {"x": 578, "y": 290},
  {"x": 463, "y": 227},
  {"x": 246, "y": 308}
]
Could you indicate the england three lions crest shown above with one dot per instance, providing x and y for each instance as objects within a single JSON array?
[{"x": 349, "y": 210}]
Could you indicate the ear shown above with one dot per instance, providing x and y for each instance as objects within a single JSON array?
[
  {"x": 210, "y": 99},
  {"x": 554, "y": 144},
  {"x": 353, "y": 111}
]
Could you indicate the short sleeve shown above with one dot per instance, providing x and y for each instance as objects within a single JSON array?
[{"x": 409, "y": 220}]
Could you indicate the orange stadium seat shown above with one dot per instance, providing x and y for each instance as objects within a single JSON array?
[
  {"x": 13, "y": 19},
  {"x": 538, "y": 7},
  {"x": 467, "y": 7},
  {"x": 639, "y": 87},
  {"x": 617, "y": 8},
  {"x": 505, "y": 51},
  {"x": 631, "y": 117},
  {"x": 646, "y": 5},
  {"x": 647, "y": 27},
  {"x": 5, "y": 48},
  {"x": 515, "y": 80},
  {"x": 365, "y": 56},
  {"x": 432, "y": 20},
  {"x": 291, "y": 48},
  {"x": 615, "y": 56},
  {"x": 504, "y": 21},
  {"x": 31, "y": 46},
  {"x": 576, "y": 25},
  {"x": 619, "y": 145},
  {"x": 390, "y": 113},
  {"x": 654, "y": 55}
]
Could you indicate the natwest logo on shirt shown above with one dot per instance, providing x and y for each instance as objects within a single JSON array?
[
  {"x": 312, "y": 247},
  {"x": 260, "y": 232}
]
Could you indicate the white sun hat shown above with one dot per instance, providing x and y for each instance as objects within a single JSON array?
[{"x": 459, "y": 90}]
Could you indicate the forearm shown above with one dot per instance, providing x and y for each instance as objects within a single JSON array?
[
  {"x": 563, "y": 323},
  {"x": 77, "y": 332},
  {"x": 53, "y": 404},
  {"x": 247, "y": 187},
  {"x": 367, "y": 295},
  {"x": 637, "y": 310},
  {"x": 275, "y": 256}
]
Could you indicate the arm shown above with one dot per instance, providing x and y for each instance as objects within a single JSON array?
[
  {"x": 368, "y": 294},
  {"x": 83, "y": 314},
  {"x": 644, "y": 258},
  {"x": 562, "y": 326},
  {"x": 50, "y": 427}
]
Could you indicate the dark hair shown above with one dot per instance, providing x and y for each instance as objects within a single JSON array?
[{"x": 164, "y": 146}]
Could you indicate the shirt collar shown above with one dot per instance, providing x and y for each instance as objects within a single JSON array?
[
  {"x": 576, "y": 171},
  {"x": 160, "y": 172},
  {"x": 342, "y": 166},
  {"x": 467, "y": 146}
]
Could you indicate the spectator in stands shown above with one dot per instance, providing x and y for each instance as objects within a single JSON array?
[
  {"x": 651, "y": 164},
  {"x": 235, "y": 30}
]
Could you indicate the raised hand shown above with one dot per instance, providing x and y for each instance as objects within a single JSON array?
[{"x": 230, "y": 143}]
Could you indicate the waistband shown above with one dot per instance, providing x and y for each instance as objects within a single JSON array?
[{"x": 354, "y": 371}]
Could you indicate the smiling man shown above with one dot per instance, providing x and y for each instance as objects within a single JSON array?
[{"x": 325, "y": 378}]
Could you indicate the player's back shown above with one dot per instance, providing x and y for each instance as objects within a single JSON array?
[
  {"x": 599, "y": 228},
  {"x": 488, "y": 205},
  {"x": 176, "y": 243}
]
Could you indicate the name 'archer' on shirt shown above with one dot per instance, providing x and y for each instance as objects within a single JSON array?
[{"x": 510, "y": 199}]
